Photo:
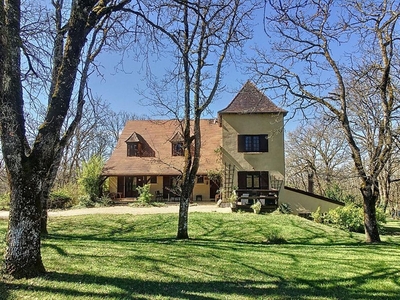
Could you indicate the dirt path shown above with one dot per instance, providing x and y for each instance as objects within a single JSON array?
[{"x": 169, "y": 208}]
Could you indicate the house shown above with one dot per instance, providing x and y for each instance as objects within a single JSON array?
[
  {"x": 151, "y": 151},
  {"x": 245, "y": 143}
]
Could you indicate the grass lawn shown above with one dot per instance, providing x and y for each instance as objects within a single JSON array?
[{"x": 229, "y": 256}]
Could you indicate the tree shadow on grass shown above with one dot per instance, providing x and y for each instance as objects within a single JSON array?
[
  {"x": 64, "y": 285},
  {"x": 4, "y": 290}
]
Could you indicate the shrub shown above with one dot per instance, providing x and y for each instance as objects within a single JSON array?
[
  {"x": 86, "y": 201},
  {"x": 59, "y": 199},
  {"x": 284, "y": 208},
  {"x": 104, "y": 201},
  {"x": 351, "y": 218},
  {"x": 90, "y": 177},
  {"x": 144, "y": 194},
  {"x": 317, "y": 216},
  {"x": 256, "y": 207}
]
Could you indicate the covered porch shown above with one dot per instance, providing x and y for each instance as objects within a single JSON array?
[{"x": 164, "y": 188}]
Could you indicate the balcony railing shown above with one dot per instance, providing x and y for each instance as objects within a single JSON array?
[{"x": 247, "y": 197}]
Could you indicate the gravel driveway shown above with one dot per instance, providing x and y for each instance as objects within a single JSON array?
[{"x": 169, "y": 208}]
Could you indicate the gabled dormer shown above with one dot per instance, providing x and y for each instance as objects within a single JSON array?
[
  {"x": 134, "y": 145},
  {"x": 177, "y": 144}
]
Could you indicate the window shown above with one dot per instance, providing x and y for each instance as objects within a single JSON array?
[
  {"x": 200, "y": 179},
  {"x": 134, "y": 149},
  {"x": 152, "y": 179},
  {"x": 253, "y": 180},
  {"x": 253, "y": 143},
  {"x": 177, "y": 149}
]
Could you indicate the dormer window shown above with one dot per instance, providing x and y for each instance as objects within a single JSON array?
[
  {"x": 134, "y": 145},
  {"x": 177, "y": 144},
  {"x": 134, "y": 149},
  {"x": 177, "y": 149}
]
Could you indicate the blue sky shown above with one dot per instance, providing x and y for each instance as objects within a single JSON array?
[{"x": 120, "y": 88}]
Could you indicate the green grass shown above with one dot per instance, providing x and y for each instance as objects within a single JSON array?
[{"x": 229, "y": 256}]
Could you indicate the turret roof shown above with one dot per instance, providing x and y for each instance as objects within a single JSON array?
[{"x": 251, "y": 100}]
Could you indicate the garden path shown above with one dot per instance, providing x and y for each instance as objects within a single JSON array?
[{"x": 124, "y": 209}]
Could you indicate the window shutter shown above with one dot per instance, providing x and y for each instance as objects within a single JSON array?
[
  {"x": 140, "y": 149},
  {"x": 264, "y": 178},
  {"x": 129, "y": 149},
  {"x": 242, "y": 180},
  {"x": 241, "y": 143},
  {"x": 264, "y": 143}
]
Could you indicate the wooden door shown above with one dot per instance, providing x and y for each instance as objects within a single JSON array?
[{"x": 129, "y": 186}]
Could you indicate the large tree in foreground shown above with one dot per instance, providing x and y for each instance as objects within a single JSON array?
[
  {"x": 322, "y": 53},
  {"x": 199, "y": 38},
  {"x": 29, "y": 164}
]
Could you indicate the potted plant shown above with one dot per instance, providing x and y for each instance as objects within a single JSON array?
[
  {"x": 256, "y": 207},
  {"x": 233, "y": 198}
]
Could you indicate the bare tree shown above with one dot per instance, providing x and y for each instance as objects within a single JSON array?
[
  {"x": 199, "y": 37},
  {"x": 116, "y": 122},
  {"x": 97, "y": 134},
  {"x": 29, "y": 165},
  {"x": 308, "y": 67},
  {"x": 316, "y": 156}
]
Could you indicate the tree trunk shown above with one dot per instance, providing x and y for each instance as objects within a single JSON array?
[
  {"x": 370, "y": 223},
  {"x": 384, "y": 190},
  {"x": 47, "y": 185},
  {"x": 43, "y": 216},
  {"x": 23, "y": 256},
  {"x": 183, "y": 219},
  {"x": 310, "y": 182},
  {"x": 30, "y": 166}
]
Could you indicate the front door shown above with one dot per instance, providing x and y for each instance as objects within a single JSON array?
[
  {"x": 139, "y": 181},
  {"x": 121, "y": 186},
  {"x": 131, "y": 183},
  {"x": 130, "y": 188},
  {"x": 214, "y": 187}
]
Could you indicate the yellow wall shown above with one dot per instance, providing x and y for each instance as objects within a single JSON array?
[
  {"x": 112, "y": 182},
  {"x": 202, "y": 189},
  {"x": 271, "y": 124},
  {"x": 154, "y": 187}
]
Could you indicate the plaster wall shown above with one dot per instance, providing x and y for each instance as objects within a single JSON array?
[
  {"x": 301, "y": 203},
  {"x": 202, "y": 189},
  {"x": 271, "y": 124},
  {"x": 112, "y": 184},
  {"x": 154, "y": 187}
]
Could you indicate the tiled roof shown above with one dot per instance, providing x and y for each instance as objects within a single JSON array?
[
  {"x": 157, "y": 137},
  {"x": 251, "y": 100}
]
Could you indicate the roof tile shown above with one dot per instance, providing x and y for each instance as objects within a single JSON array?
[
  {"x": 251, "y": 100},
  {"x": 157, "y": 135}
]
